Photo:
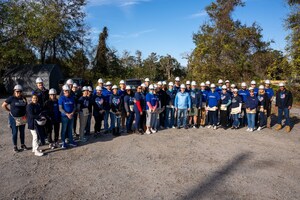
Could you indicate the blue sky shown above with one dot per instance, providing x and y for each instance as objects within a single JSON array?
[{"x": 167, "y": 26}]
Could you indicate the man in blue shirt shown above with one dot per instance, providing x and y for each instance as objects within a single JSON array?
[
  {"x": 270, "y": 93},
  {"x": 213, "y": 100},
  {"x": 182, "y": 106},
  {"x": 106, "y": 94}
]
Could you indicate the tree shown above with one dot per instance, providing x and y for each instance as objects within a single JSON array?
[{"x": 168, "y": 65}]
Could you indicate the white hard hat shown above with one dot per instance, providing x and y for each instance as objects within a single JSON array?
[
  {"x": 128, "y": 87},
  {"x": 85, "y": 88},
  {"x": 114, "y": 87},
  {"x": 52, "y": 91},
  {"x": 171, "y": 83},
  {"x": 207, "y": 82},
  {"x": 99, "y": 88},
  {"x": 261, "y": 87},
  {"x": 220, "y": 81},
  {"x": 155, "y": 86},
  {"x": 235, "y": 90},
  {"x": 42, "y": 121},
  {"x": 202, "y": 84},
  {"x": 227, "y": 81},
  {"x": 281, "y": 84},
  {"x": 70, "y": 82},
  {"x": 177, "y": 79},
  {"x": 267, "y": 82},
  {"x": 143, "y": 85},
  {"x": 164, "y": 83},
  {"x": 251, "y": 88},
  {"x": 194, "y": 83},
  {"x": 224, "y": 87},
  {"x": 244, "y": 84},
  {"x": 108, "y": 83},
  {"x": 159, "y": 83},
  {"x": 151, "y": 87},
  {"x": 232, "y": 85},
  {"x": 90, "y": 88},
  {"x": 122, "y": 82},
  {"x": 188, "y": 82},
  {"x": 66, "y": 87},
  {"x": 253, "y": 82},
  {"x": 182, "y": 86},
  {"x": 75, "y": 85},
  {"x": 18, "y": 87},
  {"x": 147, "y": 80},
  {"x": 212, "y": 85},
  {"x": 39, "y": 80},
  {"x": 100, "y": 80}
]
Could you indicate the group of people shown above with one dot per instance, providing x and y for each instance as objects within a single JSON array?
[{"x": 151, "y": 107}]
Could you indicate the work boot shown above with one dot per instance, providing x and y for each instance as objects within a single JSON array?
[
  {"x": 118, "y": 132},
  {"x": 278, "y": 127},
  {"x": 114, "y": 131},
  {"x": 288, "y": 129}
]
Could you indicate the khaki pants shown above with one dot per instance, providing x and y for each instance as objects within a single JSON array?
[{"x": 203, "y": 117}]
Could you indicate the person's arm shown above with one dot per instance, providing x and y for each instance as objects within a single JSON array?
[
  {"x": 126, "y": 104},
  {"x": 30, "y": 113},
  {"x": 5, "y": 106},
  {"x": 176, "y": 102},
  {"x": 189, "y": 102},
  {"x": 229, "y": 102},
  {"x": 290, "y": 100}
]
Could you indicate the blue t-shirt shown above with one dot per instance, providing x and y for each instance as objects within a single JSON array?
[
  {"x": 225, "y": 98},
  {"x": 204, "y": 95},
  {"x": 213, "y": 99},
  {"x": 270, "y": 92},
  {"x": 17, "y": 106},
  {"x": 152, "y": 98},
  {"x": 244, "y": 94},
  {"x": 67, "y": 103},
  {"x": 256, "y": 91},
  {"x": 106, "y": 94}
]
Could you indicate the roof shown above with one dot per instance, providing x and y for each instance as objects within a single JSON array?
[{"x": 32, "y": 69}]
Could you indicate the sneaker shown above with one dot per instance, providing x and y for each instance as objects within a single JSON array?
[
  {"x": 173, "y": 127},
  {"x": 23, "y": 146},
  {"x": 259, "y": 128},
  {"x": 194, "y": 126},
  {"x": 38, "y": 153},
  {"x": 251, "y": 130},
  {"x": 153, "y": 130},
  {"x": 288, "y": 129},
  {"x": 64, "y": 146},
  {"x": 16, "y": 150},
  {"x": 186, "y": 127},
  {"x": 148, "y": 132},
  {"x": 248, "y": 129},
  {"x": 215, "y": 127},
  {"x": 56, "y": 144},
  {"x": 73, "y": 144},
  {"x": 83, "y": 140},
  {"x": 209, "y": 126},
  {"x": 67, "y": 140}
]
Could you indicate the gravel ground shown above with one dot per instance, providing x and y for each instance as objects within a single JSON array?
[{"x": 171, "y": 164}]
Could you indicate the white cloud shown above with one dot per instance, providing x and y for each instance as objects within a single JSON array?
[
  {"x": 120, "y": 3},
  {"x": 198, "y": 14},
  {"x": 132, "y": 35}
]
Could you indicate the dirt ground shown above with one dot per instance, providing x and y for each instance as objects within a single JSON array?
[{"x": 170, "y": 164}]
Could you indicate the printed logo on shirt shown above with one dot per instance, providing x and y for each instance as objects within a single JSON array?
[
  {"x": 20, "y": 103},
  {"x": 99, "y": 101},
  {"x": 223, "y": 97},
  {"x": 115, "y": 101},
  {"x": 260, "y": 99},
  {"x": 234, "y": 100},
  {"x": 282, "y": 96},
  {"x": 212, "y": 97}
]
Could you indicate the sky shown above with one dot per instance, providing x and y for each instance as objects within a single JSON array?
[{"x": 167, "y": 26}]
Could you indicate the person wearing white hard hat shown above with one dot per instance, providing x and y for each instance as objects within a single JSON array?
[
  {"x": 15, "y": 105},
  {"x": 236, "y": 108},
  {"x": 90, "y": 108},
  {"x": 212, "y": 103},
  {"x": 53, "y": 113},
  {"x": 255, "y": 89},
  {"x": 182, "y": 106},
  {"x": 152, "y": 102},
  {"x": 243, "y": 93},
  {"x": 177, "y": 84},
  {"x": 139, "y": 109},
  {"x": 108, "y": 114},
  {"x": 224, "y": 108},
  {"x": 164, "y": 86},
  {"x": 147, "y": 82},
  {"x": 219, "y": 88},
  {"x": 284, "y": 102},
  {"x": 41, "y": 92},
  {"x": 67, "y": 108},
  {"x": 144, "y": 89},
  {"x": 162, "y": 96},
  {"x": 100, "y": 83},
  {"x": 129, "y": 109},
  {"x": 196, "y": 103},
  {"x": 69, "y": 83},
  {"x": 77, "y": 93},
  {"x": 170, "y": 109},
  {"x": 207, "y": 86},
  {"x": 122, "y": 92},
  {"x": 227, "y": 83},
  {"x": 116, "y": 104},
  {"x": 83, "y": 104},
  {"x": 188, "y": 86},
  {"x": 251, "y": 106},
  {"x": 270, "y": 93},
  {"x": 203, "y": 113},
  {"x": 98, "y": 109},
  {"x": 263, "y": 105}
]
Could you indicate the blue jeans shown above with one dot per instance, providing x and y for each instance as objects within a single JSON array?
[
  {"x": 286, "y": 112},
  {"x": 244, "y": 119},
  {"x": 182, "y": 112},
  {"x": 236, "y": 121},
  {"x": 112, "y": 120},
  {"x": 262, "y": 119},
  {"x": 14, "y": 130},
  {"x": 129, "y": 121},
  {"x": 213, "y": 118},
  {"x": 169, "y": 118},
  {"x": 67, "y": 128},
  {"x": 251, "y": 120}
]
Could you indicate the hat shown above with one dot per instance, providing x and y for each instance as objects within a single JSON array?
[
  {"x": 143, "y": 85},
  {"x": 281, "y": 84},
  {"x": 114, "y": 87},
  {"x": 164, "y": 83},
  {"x": 18, "y": 87},
  {"x": 108, "y": 83},
  {"x": 128, "y": 87},
  {"x": 99, "y": 88},
  {"x": 177, "y": 79},
  {"x": 188, "y": 82},
  {"x": 52, "y": 91},
  {"x": 70, "y": 82},
  {"x": 182, "y": 86},
  {"x": 253, "y": 82},
  {"x": 261, "y": 87},
  {"x": 267, "y": 82},
  {"x": 90, "y": 88},
  {"x": 220, "y": 81},
  {"x": 66, "y": 87},
  {"x": 232, "y": 85},
  {"x": 75, "y": 85},
  {"x": 155, "y": 86},
  {"x": 100, "y": 80},
  {"x": 147, "y": 79},
  {"x": 171, "y": 84},
  {"x": 85, "y": 88},
  {"x": 224, "y": 87},
  {"x": 207, "y": 82},
  {"x": 227, "y": 81},
  {"x": 39, "y": 80},
  {"x": 244, "y": 84},
  {"x": 213, "y": 85},
  {"x": 151, "y": 87},
  {"x": 202, "y": 84},
  {"x": 159, "y": 83},
  {"x": 251, "y": 88},
  {"x": 194, "y": 83},
  {"x": 235, "y": 90},
  {"x": 122, "y": 82}
]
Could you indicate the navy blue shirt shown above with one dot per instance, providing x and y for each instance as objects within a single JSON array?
[
  {"x": 116, "y": 103},
  {"x": 33, "y": 112},
  {"x": 225, "y": 98},
  {"x": 251, "y": 102},
  {"x": 196, "y": 98},
  {"x": 129, "y": 103},
  {"x": 235, "y": 101},
  {"x": 52, "y": 110},
  {"x": 171, "y": 94},
  {"x": 141, "y": 98},
  {"x": 17, "y": 106},
  {"x": 98, "y": 102},
  {"x": 84, "y": 102}
]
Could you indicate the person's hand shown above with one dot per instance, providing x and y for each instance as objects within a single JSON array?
[
  {"x": 141, "y": 113},
  {"x": 290, "y": 107},
  {"x": 128, "y": 114},
  {"x": 189, "y": 109},
  {"x": 176, "y": 109}
]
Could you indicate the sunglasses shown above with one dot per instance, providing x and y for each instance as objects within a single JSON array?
[
  {"x": 66, "y": 91},
  {"x": 139, "y": 88},
  {"x": 18, "y": 91}
]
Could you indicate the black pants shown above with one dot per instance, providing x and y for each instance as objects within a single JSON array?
[
  {"x": 162, "y": 118},
  {"x": 50, "y": 127},
  {"x": 224, "y": 118},
  {"x": 98, "y": 122}
]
